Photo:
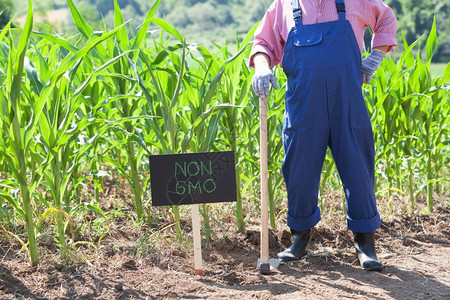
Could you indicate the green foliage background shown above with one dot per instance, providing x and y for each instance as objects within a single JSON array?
[
  {"x": 203, "y": 22},
  {"x": 415, "y": 18},
  {"x": 214, "y": 21}
]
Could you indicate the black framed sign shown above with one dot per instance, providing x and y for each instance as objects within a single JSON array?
[{"x": 193, "y": 178}]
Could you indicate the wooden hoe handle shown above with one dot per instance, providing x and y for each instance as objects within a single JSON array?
[{"x": 265, "y": 266}]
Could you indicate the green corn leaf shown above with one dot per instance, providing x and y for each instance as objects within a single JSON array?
[
  {"x": 409, "y": 58},
  {"x": 97, "y": 72},
  {"x": 122, "y": 35},
  {"x": 19, "y": 63},
  {"x": 4, "y": 31},
  {"x": 32, "y": 75},
  {"x": 46, "y": 131},
  {"x": 406, "y": 55},
  {"x": 12, "y": 202},
  {"x": 249, "y": 36},
  {"x": 446, "y": 75},
  {"x": 219, "y": 75},
  {"x": 98, "y": 210},
  {"x": 80, "y": 23},
  {"x": 56, "y": 40},
  {"x": 160, "y": 58},
  {"x": 140, "y": 36},
  {"x": 168, "y": 28},
  {"x": 44, "y": 70},
  {"x": 118, "y": 166},
  {"x": 431, "y": 42},
  {"x": 68, "y": 62},
  {"x": 179, "y": 77}
]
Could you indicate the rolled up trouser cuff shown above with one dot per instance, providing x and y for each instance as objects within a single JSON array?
[
  {"x": 364, "y": 226},
  {"x": 302, "y": 224}
]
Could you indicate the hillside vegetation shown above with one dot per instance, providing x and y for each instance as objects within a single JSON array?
[{"x": 203, "y": 22}]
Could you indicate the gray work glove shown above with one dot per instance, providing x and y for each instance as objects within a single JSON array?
[
  {"x": 370, "y": 64},
  {"x": 262, "y": 79}
]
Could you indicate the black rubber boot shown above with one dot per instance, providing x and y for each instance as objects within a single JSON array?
[
  {"x": 365, "y": 248},
  {"x": 300, "y": 240}
]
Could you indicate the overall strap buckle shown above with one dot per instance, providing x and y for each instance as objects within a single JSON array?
[
  {"x": 297, "y": 10},
  {"x": 340, "y": 7},
  {"x": 297, "y": 13}
]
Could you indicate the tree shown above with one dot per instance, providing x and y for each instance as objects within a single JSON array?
[{"x": 415, "y": 18}]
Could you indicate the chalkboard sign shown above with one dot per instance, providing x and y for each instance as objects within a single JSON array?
[{"x": 193, "y": 178}]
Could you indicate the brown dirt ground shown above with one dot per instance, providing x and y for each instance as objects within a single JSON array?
[{"x": 414, "y": 248}]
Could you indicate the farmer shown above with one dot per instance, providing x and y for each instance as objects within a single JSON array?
[{"x": 319, "y": 45}]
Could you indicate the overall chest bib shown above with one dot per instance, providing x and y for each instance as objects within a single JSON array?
[{"x": 325, "y": 108}]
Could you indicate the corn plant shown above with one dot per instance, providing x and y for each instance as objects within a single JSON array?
[
  {"x": 409, "y": 111},
  {"x": 15, "y": 148},
  {"x": 75, "y": 109}
]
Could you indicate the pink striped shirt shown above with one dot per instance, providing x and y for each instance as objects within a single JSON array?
[{"x": 271, "y": 35}]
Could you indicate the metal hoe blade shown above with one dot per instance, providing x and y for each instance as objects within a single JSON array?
[{"x": 267, "y": 268}]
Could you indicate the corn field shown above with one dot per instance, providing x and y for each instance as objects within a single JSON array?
[{"x": 76, "y": 110}]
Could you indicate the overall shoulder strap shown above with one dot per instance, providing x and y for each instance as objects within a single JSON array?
[{"x": 340, "y": 7}]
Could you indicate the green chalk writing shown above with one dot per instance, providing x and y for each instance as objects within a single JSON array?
[
  {"x": 191, "y": 177},
  {"x": 189, "y": 187},
  {"x": 193, "y": 168}
]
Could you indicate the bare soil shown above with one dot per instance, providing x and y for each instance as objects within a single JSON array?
[{"x": 414, "y": 248}]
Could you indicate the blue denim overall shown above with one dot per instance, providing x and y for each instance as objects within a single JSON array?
[{"x": 325, "y": 107}]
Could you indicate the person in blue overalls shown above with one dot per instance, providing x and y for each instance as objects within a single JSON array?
[{"x": 319, "y": 45}]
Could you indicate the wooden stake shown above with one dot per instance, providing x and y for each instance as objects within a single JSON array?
[
  {"x": 264, "y": 182},
  {"x": 197, "y": 239}
]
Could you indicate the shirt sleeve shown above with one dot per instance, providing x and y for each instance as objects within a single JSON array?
[
  {"x": 383, "y": 23},
  {"x": 268, "y": 39}
]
